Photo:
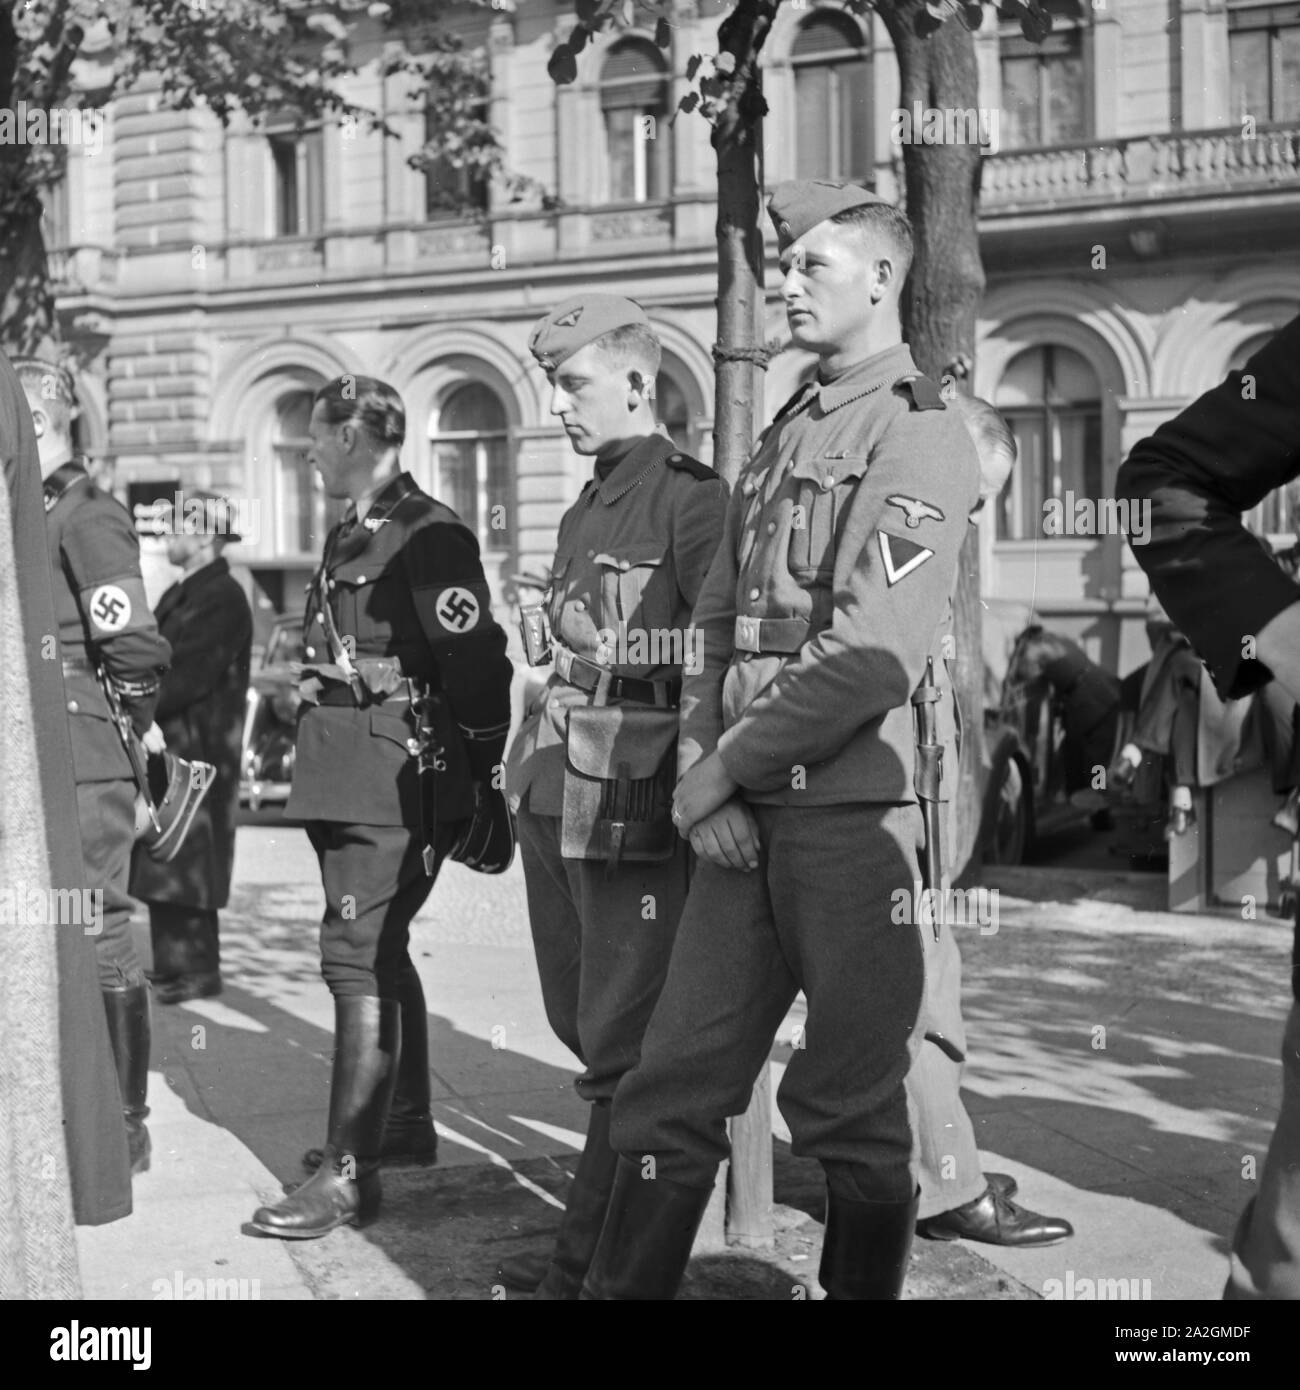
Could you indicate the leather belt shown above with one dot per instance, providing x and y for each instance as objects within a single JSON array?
[
  {"x": 587, "y": 675},
  {"x": 341, "y": 695},
  {"x": 785, "y": 635}
]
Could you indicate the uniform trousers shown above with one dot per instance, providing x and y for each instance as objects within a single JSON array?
[
  {"x": 374, "y": 883},
  {"x": 1266, "y": 1249},
  {"x": 602, "y": 944},
  {"x": 185, "y": 940},
  {"x": 951, "y": 1172},
  {"x": 814, "y": 915},
  {"x": 106, "y": 812}
]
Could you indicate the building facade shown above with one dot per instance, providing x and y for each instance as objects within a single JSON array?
[{"x": 1139, "y": 225}]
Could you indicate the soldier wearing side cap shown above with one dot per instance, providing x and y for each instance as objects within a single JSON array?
[
  {"x": 605, "y": 890},
  {"x": 828, "y": 595},
  {"x": 407, "y": 664},
  {"x": 104, "y": 622}
]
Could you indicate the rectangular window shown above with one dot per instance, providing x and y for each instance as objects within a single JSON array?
[
  {"x": 451, "y": 192},
  {"x": 298, "y": 167},
  {"x": 1044, "y": 91},
  {"x": 1264, "y": 62}
]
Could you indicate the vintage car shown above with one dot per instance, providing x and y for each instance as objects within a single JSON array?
[{"x": 266, "y": 770}]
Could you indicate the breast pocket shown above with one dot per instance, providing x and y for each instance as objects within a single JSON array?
[
  {"x": 825, "y": 487},
  {"x": 636, "y": 586}
]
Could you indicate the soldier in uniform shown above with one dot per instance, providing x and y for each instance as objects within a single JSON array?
[
  {"x": 1241, "y": 610},
  {"x": 631, "y": 555},
  {"x": 407, "y": 664},
  {"x": 829, "y": 592},
  {"x": 104, "y": 621}
]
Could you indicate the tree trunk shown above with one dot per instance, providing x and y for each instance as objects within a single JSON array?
[
  {"x": 27, "y": 320},
  {"x": 939, "y": 312}
]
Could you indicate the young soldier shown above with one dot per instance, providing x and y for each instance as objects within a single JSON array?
[
  {"x": 1198, "y": 473},
  {"x": 827, "y": 596},
  {"x": 405, "y": 620},
  {"x": 630, "y": 557},
  {"x": 104, "y": 621}
]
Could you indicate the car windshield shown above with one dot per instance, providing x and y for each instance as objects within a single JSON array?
[{"x": 285, "y": 645}]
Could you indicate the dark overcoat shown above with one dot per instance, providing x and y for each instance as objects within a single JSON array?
[
  {"x": 209, "y": 624},
  {"x": 98, "y": 1165}
]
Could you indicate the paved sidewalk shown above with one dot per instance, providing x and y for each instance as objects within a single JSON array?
[{"x": 1124, "y": 1068}]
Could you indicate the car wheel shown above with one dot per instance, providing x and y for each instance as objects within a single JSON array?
[{"x": 1011, "y": 817}]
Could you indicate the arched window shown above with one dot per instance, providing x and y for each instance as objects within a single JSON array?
[
  {"x": 303, "y": 513},
  {"x": 832, "y": 100},
  {"x": 471, "y": 462},
  {"x": 673, "y": 411},
  {"x": 1051, "y": 399},
  {"x": 1045, "y": 86},
  {"x": 634, "y": 98}
]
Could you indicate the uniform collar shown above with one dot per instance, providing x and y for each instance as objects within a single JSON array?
[
  {"x": 64, "y": 477},
  {"x": 375, "y": 508},
  {"x": 880, "y": 369},
  {"x": 637, "y": 464}
]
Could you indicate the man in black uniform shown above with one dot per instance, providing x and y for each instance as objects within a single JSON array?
[
  {"x": 399, "y": 617},
  {"x": 103, "y": 620},
  {"x": 1241, "y": 610}
]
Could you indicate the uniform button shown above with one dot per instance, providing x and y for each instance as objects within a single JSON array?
[
  {"x": 73, "y": 707},
  {"x": 332, "y": 584},
  {"x": 579, "y": 606},
  {"x": 361, "y": 579},
  {"x": 771, "y": 528},
  {"x": 755, "y": 594},
  {"x": 830, "y": 480},
  {"x": 624, "y": 564},
  {"x": 309, "y": 651}
]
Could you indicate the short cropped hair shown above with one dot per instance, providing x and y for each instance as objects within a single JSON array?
[
  {"x": 994, "y": 442},
  {"x": 365, "y": 401},
  {"x": 51, "y": 386},
  {"x": 634, "y": 346},
  {"x": 882, "y": 222}
]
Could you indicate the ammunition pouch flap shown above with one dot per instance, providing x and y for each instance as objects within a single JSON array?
[{"x": 620, "y": 767}]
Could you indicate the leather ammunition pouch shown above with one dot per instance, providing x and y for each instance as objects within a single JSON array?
[{"x": 619, "y": 772}]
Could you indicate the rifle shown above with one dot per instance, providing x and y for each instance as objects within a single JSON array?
[
  {"x": 928, "y": 782},
  {"x": 130, "y": 742}
]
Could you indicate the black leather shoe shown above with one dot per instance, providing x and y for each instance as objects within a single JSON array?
[
  {"x": 524, "y": 1273},
  {"x": 205, "y": 984},
  {"x": 995, "y": 1220}
]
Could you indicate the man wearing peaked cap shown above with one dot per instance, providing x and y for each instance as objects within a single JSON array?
[
  {"x": 828, "y": 593},
  {"x": 605, "y": 891}
]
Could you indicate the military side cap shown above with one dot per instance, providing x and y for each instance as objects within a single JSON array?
[
  {"x": 577, "y": 322},
  {"x": 798, "y": 206}
]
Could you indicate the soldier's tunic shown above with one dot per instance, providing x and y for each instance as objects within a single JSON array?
[
  {"x": 103, "y": 617},
  {"x": 632, "y": 553},
  {"x": 828, "y": 592},
  {"x": 404, "y": 582},
  {"x": 1198, "y": 473}
]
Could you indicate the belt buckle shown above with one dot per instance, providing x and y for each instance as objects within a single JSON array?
[
  {"x": 747, "y": 634},
  {"x": 563, "y": 662}
]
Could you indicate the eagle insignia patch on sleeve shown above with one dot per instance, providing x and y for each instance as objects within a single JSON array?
[
  {"x": 901, "y": 557},
  {"x": 914, "y": 509}
]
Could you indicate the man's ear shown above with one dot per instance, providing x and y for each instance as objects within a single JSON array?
[
  {"x": 882, "y": 278},
  {"x": 348, "y": 436},
  {"x": 640, "y": 386},
  {"x": 40, "y": 421}
]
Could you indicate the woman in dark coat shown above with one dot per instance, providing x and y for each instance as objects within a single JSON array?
[{"x": 200, "y": 714}]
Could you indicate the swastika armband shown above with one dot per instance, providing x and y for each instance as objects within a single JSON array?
[
  {"x": 114, "y": 607},
  {"x": 454, "y": 610}
]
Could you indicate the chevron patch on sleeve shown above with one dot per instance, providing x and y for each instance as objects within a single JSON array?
[{"x": 901, "y": 557}]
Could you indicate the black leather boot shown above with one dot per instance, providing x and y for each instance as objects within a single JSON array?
[
  {"x": 409, "y": 1136},
  {"x": 129, "y": 1034},
  {"x": 345, "y": 1188},
  {"x": 646, "y": 1241},
  {"x": 584, "y": 1213},
  {"x": 865, "y": 1249}
]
